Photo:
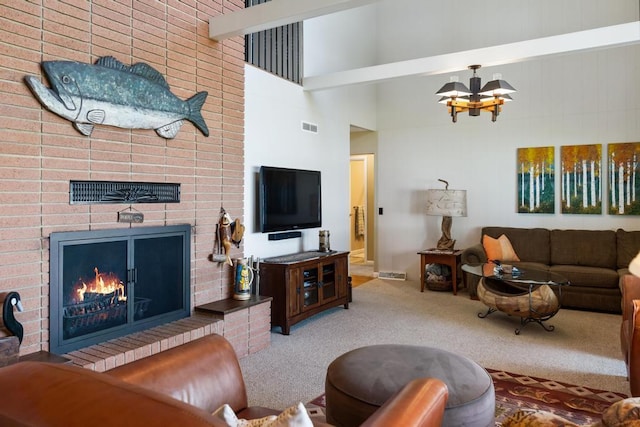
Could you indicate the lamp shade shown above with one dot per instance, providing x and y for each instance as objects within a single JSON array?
[
  {"x": 497, "y": 87},
  {"x": 634, "y": 266},
  {"x": 505, "y": 98},
  {"x": 447, "y": 202},
  {"x": 453, "y": 89}
]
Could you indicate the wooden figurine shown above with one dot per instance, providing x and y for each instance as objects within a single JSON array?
[{"x": 224, "y": 232}]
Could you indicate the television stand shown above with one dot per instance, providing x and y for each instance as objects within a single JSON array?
[
  {"x": 304, "y": 284},
  {"x": 297, "y": 257}
]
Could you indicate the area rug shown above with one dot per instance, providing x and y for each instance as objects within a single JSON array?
[{"x": 581, "y": 405}]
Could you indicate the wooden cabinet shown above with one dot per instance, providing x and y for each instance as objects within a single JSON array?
[{"x": 303, "y": 284}]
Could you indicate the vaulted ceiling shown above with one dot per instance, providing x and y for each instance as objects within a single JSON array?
[{"x": 281, "y": 12}]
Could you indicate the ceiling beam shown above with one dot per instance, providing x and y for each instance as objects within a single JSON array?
[
  {"x": 275, "y": 13},
  {"x": 616, "y": 35}
]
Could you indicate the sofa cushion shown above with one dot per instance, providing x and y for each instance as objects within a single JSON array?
[
  {"x": 499, "y": 249},
  {"x": 531, "y": 244},
  {"x": 525, "y": 265},
  {"x": 594, "y": 248},
  {"x": 628, "y": 246},
  {"x": 588, "y": 277}
]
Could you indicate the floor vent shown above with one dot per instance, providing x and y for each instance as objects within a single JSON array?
[
  {"x": 309, "y": 127},
  {"x": 392, "y": 275}
]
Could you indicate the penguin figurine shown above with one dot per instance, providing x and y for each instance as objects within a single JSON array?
[{"x": 12, "y": 299}]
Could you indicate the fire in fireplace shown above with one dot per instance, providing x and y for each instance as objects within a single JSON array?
[
  {"x": 98, "y": 304},
  {"x": 108, "y": 283}
]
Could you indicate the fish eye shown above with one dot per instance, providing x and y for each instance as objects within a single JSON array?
[{"x": 66, "y": 79}]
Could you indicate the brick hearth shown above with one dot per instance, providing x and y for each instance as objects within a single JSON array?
[
  {"x": 120, "y": 351},
  {"x": 248, "y": 330}
]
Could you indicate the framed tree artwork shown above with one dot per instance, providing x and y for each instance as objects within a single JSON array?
[
  {"x": 581, "y": 179},
  {"x": 536, "y": 177},
  {"x": 623, "y": 178}
]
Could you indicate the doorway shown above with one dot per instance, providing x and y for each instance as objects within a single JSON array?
[
  {"x": 361, "y": 190},
  {"x": 358, "y": 193}
]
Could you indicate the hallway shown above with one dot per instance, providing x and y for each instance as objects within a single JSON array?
[{"x": 358, "y": 267}]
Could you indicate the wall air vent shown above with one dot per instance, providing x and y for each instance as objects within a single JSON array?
[
  {"x": 309, "y": 127},
  {"x": 90, "y": 192}
]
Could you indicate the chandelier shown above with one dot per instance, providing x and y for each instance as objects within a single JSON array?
[{"x": 491, "y": 97}]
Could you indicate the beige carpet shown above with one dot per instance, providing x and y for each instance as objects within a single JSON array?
[{"x": 584, "y": 349}]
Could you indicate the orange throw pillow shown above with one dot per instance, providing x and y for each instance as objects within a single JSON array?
[{"x": 499, "y": 249}]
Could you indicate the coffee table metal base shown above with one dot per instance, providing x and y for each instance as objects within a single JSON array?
[{"x": 533, "y": 303}]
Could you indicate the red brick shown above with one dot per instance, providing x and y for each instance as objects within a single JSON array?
[{"x": 40, "y": 151}]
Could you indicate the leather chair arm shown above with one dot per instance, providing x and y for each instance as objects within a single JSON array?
[
  {"x": 630, "y": 329},
  {"x": 630, "y": 287},
  {"x": 420, "y": 403},
  {"x": 634, "y": 350}
]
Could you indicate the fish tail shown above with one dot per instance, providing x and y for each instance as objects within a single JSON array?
[{"x": 195, "y": 116}]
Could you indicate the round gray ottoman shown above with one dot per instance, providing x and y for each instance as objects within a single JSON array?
[{"x": 360, "y": 381}]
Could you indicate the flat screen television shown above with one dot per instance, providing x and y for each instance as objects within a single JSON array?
[{"x": 289, "y": 199}]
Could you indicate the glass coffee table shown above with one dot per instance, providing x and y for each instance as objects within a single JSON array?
[{"x": 525, "y": 293}]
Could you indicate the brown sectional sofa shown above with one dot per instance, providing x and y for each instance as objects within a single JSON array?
[
  {"x": 594, "y": 261},
  {"x": 178, "y": 387}
]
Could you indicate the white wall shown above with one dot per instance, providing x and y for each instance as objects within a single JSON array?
[
  {"x": 274, "y": 110},
  {"x": 580, "y": 98}
]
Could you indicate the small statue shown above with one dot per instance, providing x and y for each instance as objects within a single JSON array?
[
  {"x": 228, "y": 232},
  {"x": 10, "y": 344},
  {"x": 12, "y": 299},
  {"x": 224, "y": 233}
]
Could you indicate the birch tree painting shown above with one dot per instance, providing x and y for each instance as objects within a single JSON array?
[
  {"x": 536, "y": 176},
  {"x": 581, "y": 179},
  {"x": 623, "y": 178}
]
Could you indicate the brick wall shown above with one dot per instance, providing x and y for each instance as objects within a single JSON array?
[{"x": 40, "y": 152}]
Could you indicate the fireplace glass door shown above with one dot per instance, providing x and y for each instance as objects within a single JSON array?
[
  {"x": 94, "y": 287},
  {"x": 109, "y": 283},
  {"x": 155, "y": 289}
]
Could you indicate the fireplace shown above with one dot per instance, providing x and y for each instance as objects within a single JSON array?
[{"x": 109, "y": 283}]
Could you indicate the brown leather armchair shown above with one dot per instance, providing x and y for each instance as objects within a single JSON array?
[
  {"x": 630, "y": 330},
  {"x": 181, "y": 386}
]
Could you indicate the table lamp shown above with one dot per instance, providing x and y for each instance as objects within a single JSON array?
[{"x": 446, "y": 203}]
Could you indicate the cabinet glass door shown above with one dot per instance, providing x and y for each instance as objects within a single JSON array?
[
  {"x": 328, "y": 285},
  {"x": 311, "y": 285}
]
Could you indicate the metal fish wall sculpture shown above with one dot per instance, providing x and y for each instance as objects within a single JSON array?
[{"x": 112, "y": 93}]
